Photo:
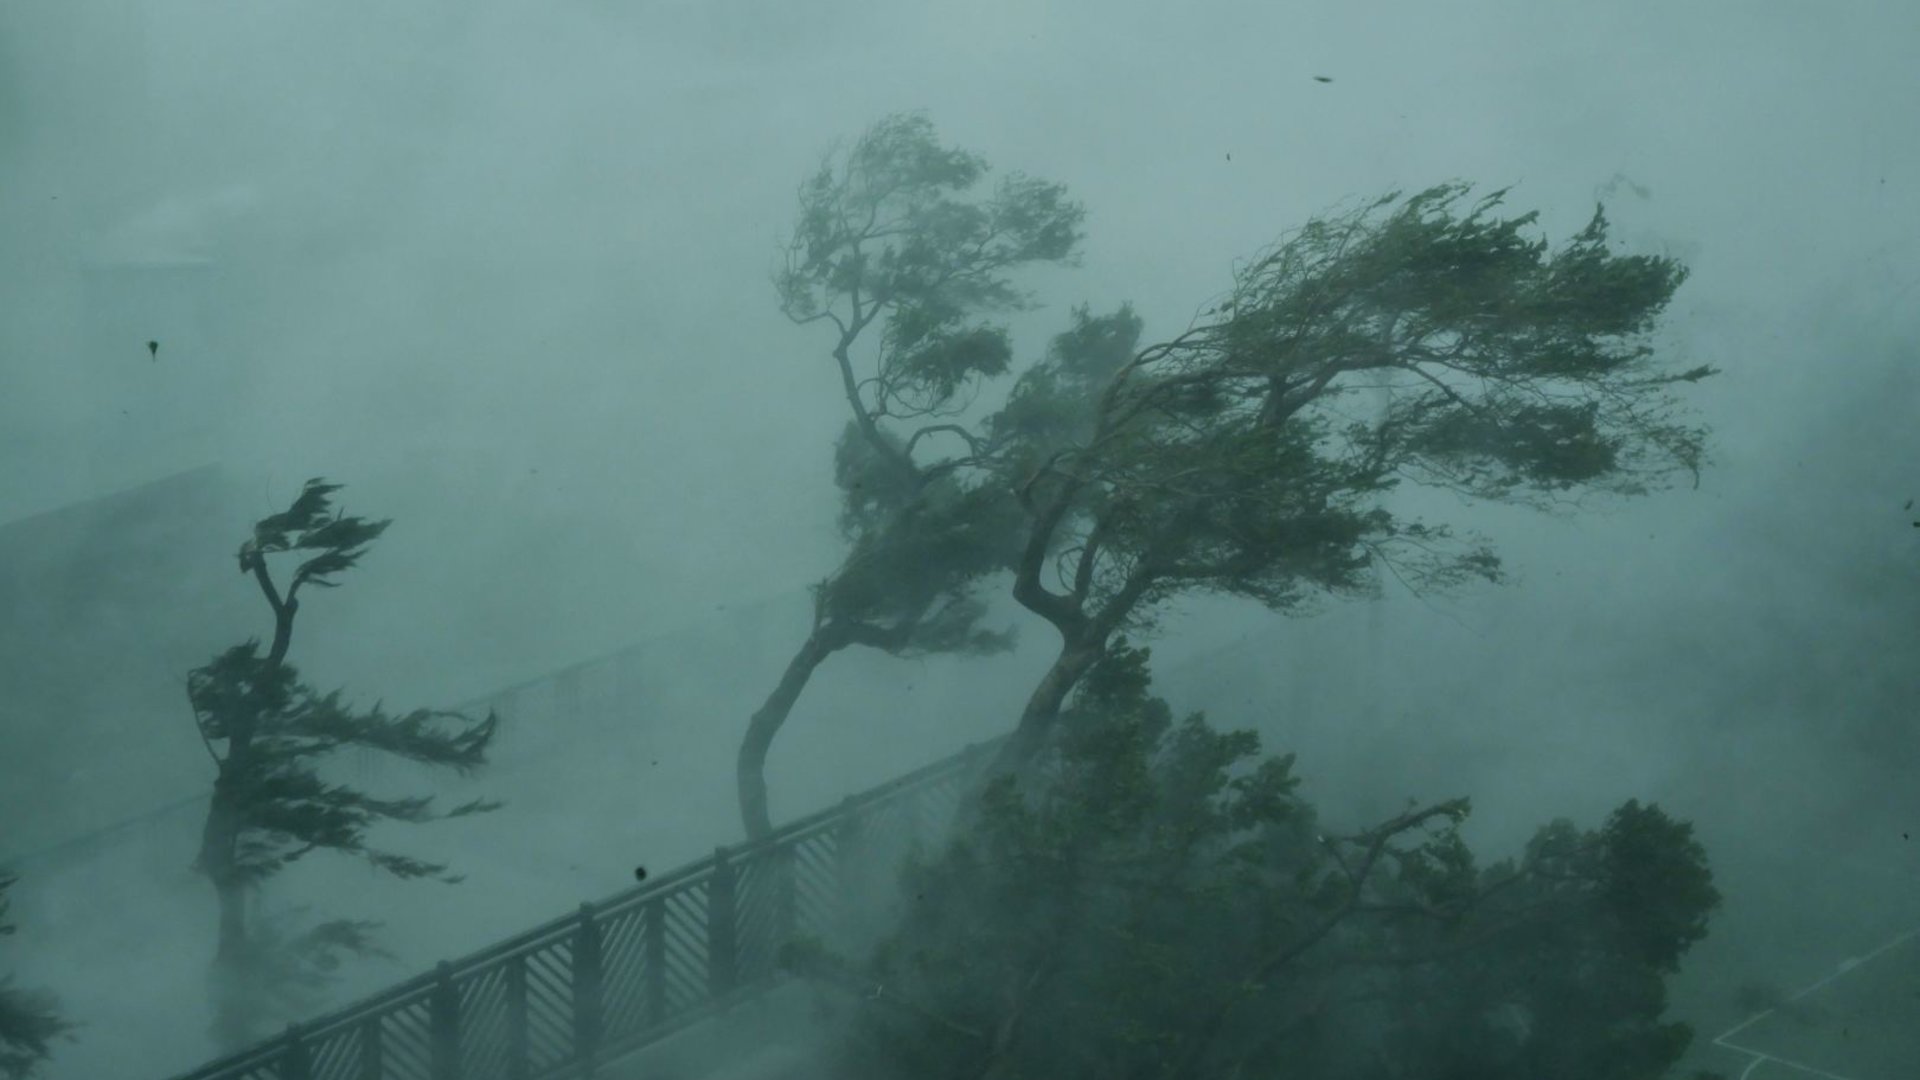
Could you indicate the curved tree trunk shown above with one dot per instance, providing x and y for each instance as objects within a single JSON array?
[
  {"x": 236, "y": 1001},
  {"x": 234, "y": 998},
  {"x": 751, "y": 766},
  {"x": 1044, "y": 704},
  {"x": 237, "y": 995}
]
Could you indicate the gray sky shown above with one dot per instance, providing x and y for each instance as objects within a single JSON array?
[{"x": 504, "y": 271}]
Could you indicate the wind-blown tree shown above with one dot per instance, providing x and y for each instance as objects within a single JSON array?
[
  {"x": 1156, "y": 901},
  {"x": 1231, "y": 459},
  {"x": 29, "y": 1020},
  {"x": 269, "y": 734},
  {"x": 898, "y": 252}
]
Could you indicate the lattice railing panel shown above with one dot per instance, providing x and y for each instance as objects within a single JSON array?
[
  {"x": 336, "y": 1057},
  {"x": 618, "y": 973},
  {"x": 406, "y": 1043},
  {"x": 484, "y": 1034},
  {"x": 623, "y": 959},
  {"x": 762, "y": 901},
  {"x": 887, "y": 832},
  {"x": 550, "y": 1029},
  {"x": 817, "y": 898},
  {"x": 686, "y": 953}
]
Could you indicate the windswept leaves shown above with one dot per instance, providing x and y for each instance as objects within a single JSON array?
[
  {"x": 923, "y": 375},
  {"x": 892, "y": 230},
  {"x": 896, "y": 234},
  {"x": 1655, "y": 883},
  {"x": 1154, "y": 899},
  {"x": 1429, "y": 338},
  {"x": 271, "y": 737},
  {"x": 30, "y": 1020},
  {"x": 917, "y": 549},
  {"x": 308, "y": 525},
  {"x": 901, "y": 249},
  {"x": 1055, "y": 403},
  {"x": 285, "y": 808},
  {"x": 29, "y": 1024}
]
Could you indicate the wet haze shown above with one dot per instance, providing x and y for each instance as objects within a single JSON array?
[{"x": 503, "y": 270}]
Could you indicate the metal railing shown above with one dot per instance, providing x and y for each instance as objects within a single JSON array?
[{"x": 616, "y": 976}]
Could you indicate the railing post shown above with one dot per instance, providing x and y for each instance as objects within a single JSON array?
[
  {"x": 519, "y": 1060},
  {"x": 295, "y": 1064},
  {"x": 656, "y": 960},
  {"x": 443, "y": 1012},
  {"x": 586, "y": 988},
  {"x": 372, "y": 1049},
  {"x": 722, "y": 941}
]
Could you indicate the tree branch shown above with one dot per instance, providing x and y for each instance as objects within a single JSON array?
[
  {"x": 199, "y": 730},
  {"x": 1374, "y": 844},
  {"x": 972, "y": 441}
]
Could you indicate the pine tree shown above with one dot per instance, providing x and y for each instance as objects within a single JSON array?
[
  {"x": 269, "y": 734},
  {"x": 29, "y": 1020}
]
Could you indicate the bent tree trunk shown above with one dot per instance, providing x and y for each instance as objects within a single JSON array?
[
  {"x": 1043, "y": 706},
  {"x": 235, "y": 1012},
  {"x": 234, "y": 995},
  {"x": 751, "y": 766},
  {"x": 235, "y": 975}
]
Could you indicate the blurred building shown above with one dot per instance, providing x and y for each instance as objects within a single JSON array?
[{"x": 104, "y": 605}]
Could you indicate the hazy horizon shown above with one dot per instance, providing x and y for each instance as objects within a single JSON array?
[{"x": 505, "y": 273}]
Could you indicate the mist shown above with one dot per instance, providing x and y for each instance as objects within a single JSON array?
[{"x": 505, "y": 272}]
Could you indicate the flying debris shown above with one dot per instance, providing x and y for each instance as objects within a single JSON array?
[
  {"x": 1608, "y": 190},
  {"x": 153, "y": 349},
  {"x": 1321, "y": 78}
]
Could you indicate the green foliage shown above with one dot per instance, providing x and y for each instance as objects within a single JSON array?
[
  {"x": 890, "y": 231},
  {"x": 1427, "y": 339},
  {"x": 1656, "y": 885},
  {"x": 284, "y": 808},
  {"x": 1053, "y": 405},
  {"x": 1154, "y": 899},
  {"x": 339, "y": 541},
  {"x": 1572, "y": 946},
  {"x": 271, "y": 736},
  {"x": 893, "y": 234},
  {"x": 917, "y": 547},
  {"x": 289, "y": 961},
  {"x": 1523, "y": 368},
  {"x": 295, "y": 958},
  {"x": 29, "y": 1020}
]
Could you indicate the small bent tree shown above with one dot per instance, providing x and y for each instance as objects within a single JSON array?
[
  {"x": 29, "y": 1020},
  {"x": 269, "y": 733},
  {"x": 1156, "y": 902},
  {"x": 896, "y": 251},
  {"x": 1232, "y": 459}
]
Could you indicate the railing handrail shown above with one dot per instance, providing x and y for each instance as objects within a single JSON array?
[{"x": 678, "y": 880}]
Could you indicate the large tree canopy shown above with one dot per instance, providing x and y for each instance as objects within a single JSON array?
[
  {"x": 1239, "y": 456},
  {"x": 891, "y": 235},
  {"x": 269, "y": 735},
  {"x": 897, "y": 249},
  {"x": 1157, "y": 902},
  {"x": 887, "y": 233}
]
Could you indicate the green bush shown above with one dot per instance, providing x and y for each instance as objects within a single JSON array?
[{"x": 1154, "y": 899}]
